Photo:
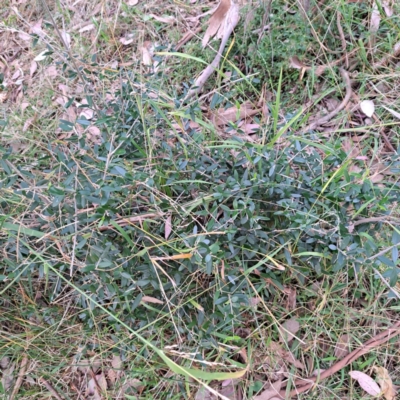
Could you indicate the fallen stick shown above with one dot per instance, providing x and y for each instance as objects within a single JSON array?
[{"x": 301, "y": 386}]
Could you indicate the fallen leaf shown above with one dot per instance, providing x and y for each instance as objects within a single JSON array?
[
  {"x": 41, "y": 56},
  {"x": 231, "y": 390},
  {"x": 27, "y": 124},
  {"x": 216, "y": 20},
  {"x": 352, "y": 150},
  {"x": 168, "y": 226},
  {"x": 271, "y": 392},
  {"x": 33, "y": 68},
  {"x": 388, "y": 7},
  {"x": 296, "y": 63},
  {"x": 232, "y": 114},
  {"x": 367, "y": 107},
  {"x": 285, "y": 355},
  {"x": 385, "y": 382},
  {"x": 126, "y": 40},
  {"x": 165, "y": 20},
  {"x": 366, "y": 382},
  {"x": 7, "y": 378},
  {"x": 149, "y": 299},
  {"x": 289, "y": 329},
  {"x": 3, "y": 97},
  {"x": 204, "y": 394},
  {"x": 342, "y": 346},
  {"x": 86, "y": 28},
  {"x": 132, "y": 386},
  {"x": 394, "y": 113},
  {"x": 375, "y": 19},
  {"x": 93, "y": 387},
  {"x": 51, "y": 71},
  {"x": 132, "y": 2},
  {"x": 36, "y": 28},
  {"x": 147, "y": 53},
  {"x": 66, "y": 38},
  {"x": 24, "y": 36}
]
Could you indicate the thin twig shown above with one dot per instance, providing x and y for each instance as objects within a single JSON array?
[
  {"x": 50, "y": 388},
  {"x": 301, "y": 386}
]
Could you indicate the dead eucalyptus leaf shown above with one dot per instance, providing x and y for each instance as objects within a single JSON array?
[
  {"x": 271, "y": 392},
  {"x": 216, "y": 20},
  {"x": 366, "y": 382},
  {"x": 342, "y": 346},
  {"x": 288, "y": 330},
  {"x": 149, "y": 299},
  {"x": 232, "y": 114},
  {"x": 375, "y": 19},
  {"x": 385, "y": 382}
]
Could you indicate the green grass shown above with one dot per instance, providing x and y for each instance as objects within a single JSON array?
[{"x": 182, "y": 251}]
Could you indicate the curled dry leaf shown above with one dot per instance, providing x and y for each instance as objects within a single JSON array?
[
  {"x": 272, "y": 392},
  {"x": 288, "y": 330},
  {"x": 216, "y": 21},
  {"x": 126, "y": 40},
  {"x": 367, "y": 107},
  {"x": 366, "y": 382},
  {"x": 385, "y": 382}
]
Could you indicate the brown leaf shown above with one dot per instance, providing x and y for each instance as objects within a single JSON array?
[
  {"x": 288, "y": 330},
  {"x": 232, "y": 114},
  {"x": 36, "y": 28},
  {"x": 296, "y": 63},
  {"x": 7, "y": 378},
  {"x": 342, "y": 346},
  {"x": 271, "y": 392},
  {"x": 149, "y": 299},
  {"x": 385, "y": 382},
  {"x": 168, "y": 226},
  {"x": 216, "y": 21},
  {"x": 350, "y": 148},
  {"x": 231, "y": 390},
  {"x": 291, "y": 298}
]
